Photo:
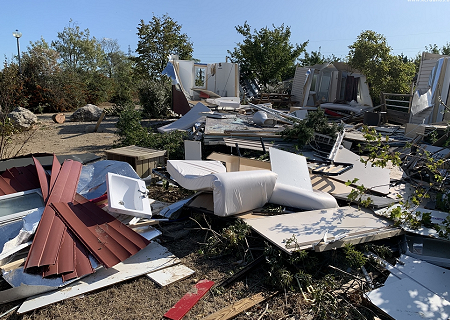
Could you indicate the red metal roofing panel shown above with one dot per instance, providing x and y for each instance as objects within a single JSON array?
[
  {"x": 83, "y": 264},
  {"x": 43, "y": 179},
  {"x": 23, "y": 178},
  {"x": 56, "y": 167},
  {"x": 66, "y": 258},
  {"x": 48, "y": 238},
  {"x": 101, "y": 217},
  {"x": 90, "y": 239},
  {"x": 104, "y": 235},
  {"x": 189, "y": 300},
  {"x": 5, "y": 186}
]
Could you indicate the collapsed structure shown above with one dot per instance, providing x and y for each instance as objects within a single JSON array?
[{"x": 87, "y": 218}]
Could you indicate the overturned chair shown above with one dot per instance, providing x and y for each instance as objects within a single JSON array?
[{"x": 233, "y": 192}]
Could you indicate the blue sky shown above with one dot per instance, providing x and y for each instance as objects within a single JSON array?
[{"x": 332, "y": 25}]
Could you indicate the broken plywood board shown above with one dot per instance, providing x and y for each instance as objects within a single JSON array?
[
  {"x": 152, "y": 258},
  {"x": 406, "y": 299},
  {"x": 238, "y": 307},
  {"x": 309, "y": 227},
  {"x": 432, "y": 277},
  {"x": 170, "y": 275},
  {"x": 373, "y": 178}
]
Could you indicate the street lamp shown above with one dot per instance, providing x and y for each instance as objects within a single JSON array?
[{"x": 17, "y": 35}]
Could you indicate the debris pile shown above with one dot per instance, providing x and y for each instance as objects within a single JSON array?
[{"x": 349, "y": 194}]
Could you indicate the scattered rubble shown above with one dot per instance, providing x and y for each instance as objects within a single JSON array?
[{"x": 332, "y": 224}]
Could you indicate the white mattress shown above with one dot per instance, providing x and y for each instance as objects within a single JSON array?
[
  {"x": 240, "y": 191},
  {"x": 195, "y": 174}
]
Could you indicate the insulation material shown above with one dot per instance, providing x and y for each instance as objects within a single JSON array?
[
  {"x": 237, "y": 192},
  {"x": 195, "y": 174},
  {"x": 295, "y": 197},
  {"x": 188, "y": 120}
]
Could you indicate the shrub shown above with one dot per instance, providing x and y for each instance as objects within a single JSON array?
[
  {"x": 155, "y": 97},
  {"x": 303, "y": 131},
  {"x": 131, "y": 132}
]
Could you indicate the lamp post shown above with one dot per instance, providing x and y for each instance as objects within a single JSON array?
[{"x": 17, "y": 35}]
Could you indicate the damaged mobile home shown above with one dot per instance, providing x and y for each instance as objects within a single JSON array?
[{"x": 84, "y": 224}]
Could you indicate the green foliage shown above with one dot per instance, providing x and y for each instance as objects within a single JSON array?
[
  {"x": 353, "y": 257},
  {"x": 316, "y": 57},
  {"x": 266, "y": 55},
  {"x": 231, "y": 239},
  {"x": 377, "y": 147},
  {"x": 385, "y": 72},
  {"x": 155, "y": 96},
  {"x": 131, "y": 132},
  {"x": 303, "y": 130},
  {"x": 433, "y": 48},
  {"x": 78, "y": 50},
  {"x": 158, "y": 39}
]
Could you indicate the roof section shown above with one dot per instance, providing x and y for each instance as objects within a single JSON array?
[
  {"x": 44, "y": 252},
  {"x": 104, "y": 236}
]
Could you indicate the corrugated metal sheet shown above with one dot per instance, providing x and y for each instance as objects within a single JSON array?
[
  {"x": 82, "y": 263},
  {"x": 108, "y": 240},
  {"x": 5, "y": 187},
  {"x": 56, "y": 167},
  {"x": 43, "y": 179},
  {"x": 50, "y": 232},
  {"x": 22, "y": 178}
]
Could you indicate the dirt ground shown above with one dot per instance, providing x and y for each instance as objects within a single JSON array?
[
  {"x": 140, "y": 298},
  {"x": 67, "y": 138}
]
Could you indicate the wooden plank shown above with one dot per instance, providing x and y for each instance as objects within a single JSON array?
[
  {"x": 13, "y": 265},
  {"x": 151, "y": 258},
  {"x": 238, "y": 307},
  {"x": 170, "y": 275},
  {"x": 100, "y": 120},
  {"x": 189, "y": 300}
]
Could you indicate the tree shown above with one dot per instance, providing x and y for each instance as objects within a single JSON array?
[
  {"x": 385, "y": 72},
  {"x": 266, "y": 55},
  {"x": 316, "y": 57},
  {"x": 78, "y": 50},
  {"x": 157, "y": 40}
]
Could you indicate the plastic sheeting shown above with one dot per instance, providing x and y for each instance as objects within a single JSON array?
[
  {"x": 188, "y": 120},
  {"x": 92, "y": 182},
  {"x": 195, "y": 174},
  {"x": 28, "y": 226},
  {"x": 237, "y": 192}
]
